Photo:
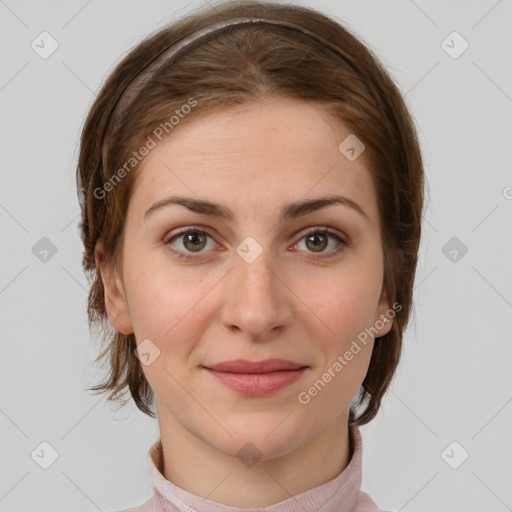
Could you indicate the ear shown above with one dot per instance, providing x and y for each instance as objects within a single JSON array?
[
  {"x": 382, "y": 313},
  {"x": 115, "y": 300}
]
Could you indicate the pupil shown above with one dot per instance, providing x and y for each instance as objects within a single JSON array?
[
  {"x": 194, "y": 238},
  {"x": 316, "y": 243}
]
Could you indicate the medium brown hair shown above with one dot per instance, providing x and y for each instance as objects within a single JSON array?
[{"x": 237, "y": 65}]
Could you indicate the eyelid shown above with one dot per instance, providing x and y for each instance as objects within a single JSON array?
[
  {"x": 186, "y": 229},
  {"x": 323, "y": 229}
]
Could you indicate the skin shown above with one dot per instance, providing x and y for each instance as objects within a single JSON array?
[{"x": 217, "y": 306}]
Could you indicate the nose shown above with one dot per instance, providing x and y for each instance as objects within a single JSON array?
[{"x": 257, "y": 301}]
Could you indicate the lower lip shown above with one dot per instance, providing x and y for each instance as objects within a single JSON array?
[{"x": 258, "y": 384}]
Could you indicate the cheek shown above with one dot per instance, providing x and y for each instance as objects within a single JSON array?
[
  {"x": 151, "y": 307},
  {"x": 156, "y": 293},
  {"x": 346, "y": 302},
  {"x": 169, "y": 307}
]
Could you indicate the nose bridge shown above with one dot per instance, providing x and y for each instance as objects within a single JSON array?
[
  {"x": 256, "y": 301},
  {"x": 253, "y": 270}
]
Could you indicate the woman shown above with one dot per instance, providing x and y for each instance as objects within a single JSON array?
[{"x": 251, "y": 187}]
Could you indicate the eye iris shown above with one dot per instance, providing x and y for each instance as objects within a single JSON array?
[
  {"x": 193, "y": 238},
  {"x": 317, "y": 247}
]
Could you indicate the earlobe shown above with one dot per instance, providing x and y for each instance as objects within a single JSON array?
[{"x": 114, "y": 295}]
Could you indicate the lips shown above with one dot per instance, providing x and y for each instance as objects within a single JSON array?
[
  {"x": 256, "y": 378},
  {"x": 245, "y": 366}
]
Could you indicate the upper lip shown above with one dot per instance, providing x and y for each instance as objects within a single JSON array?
[{"x": 245, "y": 366}]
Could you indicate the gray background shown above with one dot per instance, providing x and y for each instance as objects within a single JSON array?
[{"x": 454, "y": 382}]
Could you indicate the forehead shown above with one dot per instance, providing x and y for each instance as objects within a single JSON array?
[{"x": 253, "y": 157}]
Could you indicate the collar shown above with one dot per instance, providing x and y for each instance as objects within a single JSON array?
[{"x": 341, "y": 494}]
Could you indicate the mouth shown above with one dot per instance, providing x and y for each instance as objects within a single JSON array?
[{"x": 257, "y": 378}]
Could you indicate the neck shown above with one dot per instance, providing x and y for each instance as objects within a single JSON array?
[{"x": 196, "y": 466}]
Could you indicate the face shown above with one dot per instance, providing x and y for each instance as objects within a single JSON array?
[{"x": 206, "y": 288}]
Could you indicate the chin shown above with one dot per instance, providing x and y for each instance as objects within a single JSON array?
[{"x": 264, "y": 437}]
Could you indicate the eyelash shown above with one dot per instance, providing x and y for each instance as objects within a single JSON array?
[{"x": 310, "y": 232}]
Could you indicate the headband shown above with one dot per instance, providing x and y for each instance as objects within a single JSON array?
[{"x": 192, "y": 40}]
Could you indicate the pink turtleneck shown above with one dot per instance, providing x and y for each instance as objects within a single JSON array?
[{"x": 342, "y": 494}]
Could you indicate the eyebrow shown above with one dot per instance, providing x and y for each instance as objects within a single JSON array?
[{"x": 289, "y": 210}]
